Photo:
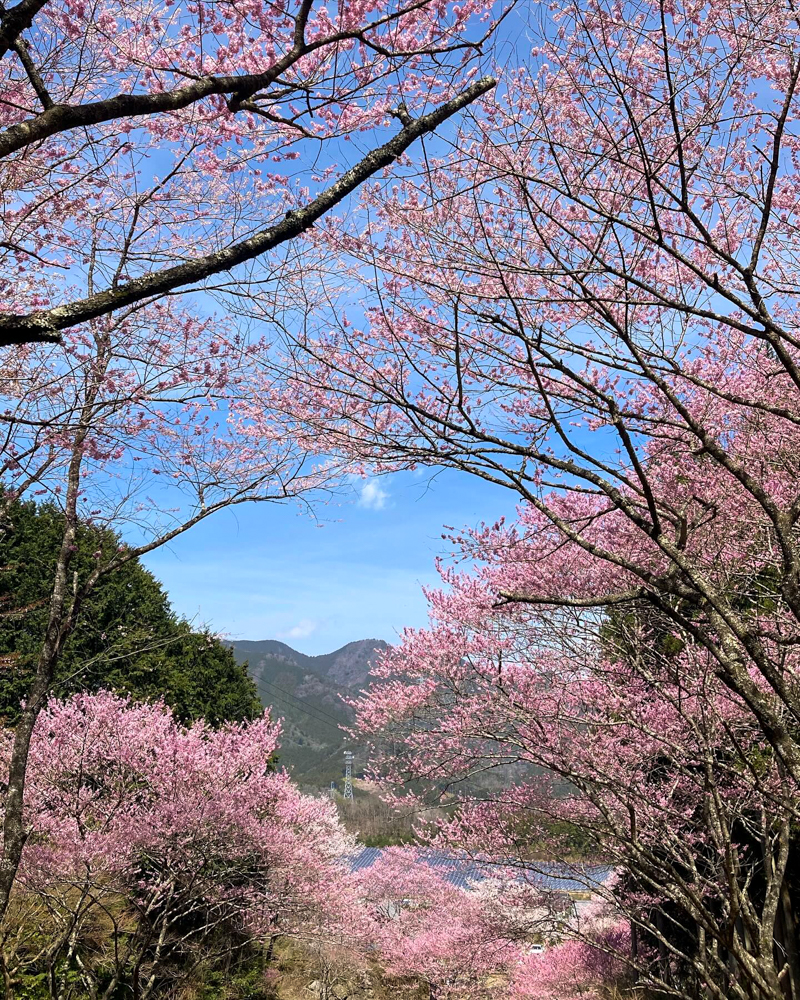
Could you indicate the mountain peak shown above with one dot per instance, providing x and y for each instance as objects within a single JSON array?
[
  {"x": 305, "y": 691},
  {"x": 348, "y": 666},
  {"x": 351, "y": 664}
]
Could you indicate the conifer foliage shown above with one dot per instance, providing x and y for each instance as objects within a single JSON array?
[{"x": 126, "y": 638}]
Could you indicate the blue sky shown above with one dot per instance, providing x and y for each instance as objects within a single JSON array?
[{"x": 266, "y": 572}]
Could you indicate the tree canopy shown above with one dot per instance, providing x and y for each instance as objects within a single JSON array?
[{"x": 127, "y": 638}]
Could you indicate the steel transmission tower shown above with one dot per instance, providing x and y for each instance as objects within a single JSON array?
[{"x": 348, "y": 775}]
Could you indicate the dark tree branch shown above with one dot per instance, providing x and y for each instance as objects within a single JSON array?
[
  {"x": 17, "y": 20},
  {"x": 44, "y": 325},
  {"x": 20, "y": 46}
]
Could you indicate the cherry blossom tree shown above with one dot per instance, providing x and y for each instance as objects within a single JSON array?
[
  {"x": 501, "y": 936},
  {"x": 165, "y": 835},
  {"x": 147, "y": 147},
  {"x": 461, "y": 941},
  {"x": 592, "y": 301},
  {"x": 659, "y": 769},
  {"x": 142, "y": 423},
  {"x": 573, "y": 969}
]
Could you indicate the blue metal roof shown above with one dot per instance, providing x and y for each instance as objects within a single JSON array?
[{"x": 466, "y": 872}]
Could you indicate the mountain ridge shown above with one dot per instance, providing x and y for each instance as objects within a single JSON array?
[
  {"x": 307, "y": 692},
  {"x": 349, "y": 664}
]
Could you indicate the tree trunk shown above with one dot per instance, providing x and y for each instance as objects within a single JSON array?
[
  {"x": 787, "y": 947},
  {"x": 60, "y": 619},
  {"x": 14, "y": 834}
]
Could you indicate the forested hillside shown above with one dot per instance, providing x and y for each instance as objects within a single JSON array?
[
  {"x": 308, "y": 693},
  {"x": 127, "y": 637}
]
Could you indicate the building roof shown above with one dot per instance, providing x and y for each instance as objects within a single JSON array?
[{"x": 465, "y": 872}]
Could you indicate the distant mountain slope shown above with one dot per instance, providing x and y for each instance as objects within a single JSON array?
[
  {"x": 305, "y": 691},
  {"x": 255, "y": 648},
  {"x": 348, "y": 666}
]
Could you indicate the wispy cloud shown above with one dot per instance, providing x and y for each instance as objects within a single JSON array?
[
  {"x": 301, "y": 630},
  {"x": 372, "y": 496}
]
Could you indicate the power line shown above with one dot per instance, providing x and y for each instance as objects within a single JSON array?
[
  {"x": 336, "y": 752},
  {"x": 320, "y": 711},
  {"x": 297, "y": 697},
  {"x": 301, "y": 701},
  {"x": 310, "y": 712},
  {"x": 284, "y": 699},
  {"x": 288, "y": 697}
]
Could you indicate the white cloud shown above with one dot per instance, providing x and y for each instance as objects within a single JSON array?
[
  {"x": 301, "y": 630},
  {"x": 373, "y": 497}
]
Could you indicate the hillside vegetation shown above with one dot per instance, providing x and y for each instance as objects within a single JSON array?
[
  {"x": 127, "y": 638},
  {"x": 308, "y": 693}
]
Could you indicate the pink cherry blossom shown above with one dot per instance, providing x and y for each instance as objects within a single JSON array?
[
  {"x": 590, "y": 300},
  {"x": 180, "y": 822}
]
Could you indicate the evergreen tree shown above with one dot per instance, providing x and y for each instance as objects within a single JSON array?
[{"x": 127, "y": 638}]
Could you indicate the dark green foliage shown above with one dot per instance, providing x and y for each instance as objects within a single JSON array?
[
  {"x": 231, "y": 970},
  {"x": 312, "y": 741},
  {"x": 245, "y": 981},
  {"x": 126, "y": 638},
  {"x": 387, "y": 839}
]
